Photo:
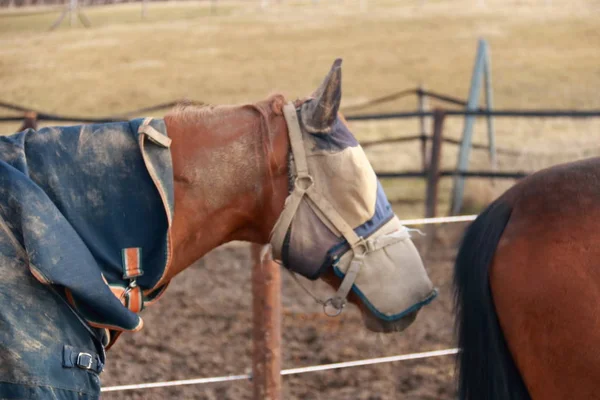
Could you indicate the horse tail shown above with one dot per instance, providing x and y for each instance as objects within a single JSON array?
[{"x": 486, "y": 367}]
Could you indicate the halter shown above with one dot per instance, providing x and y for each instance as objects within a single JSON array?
[{"x": 304, "y": 185}]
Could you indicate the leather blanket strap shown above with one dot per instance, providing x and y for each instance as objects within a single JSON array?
[{"x": 304, "y": 186}]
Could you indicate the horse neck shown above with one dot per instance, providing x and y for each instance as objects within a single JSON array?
[{"x": 231, "y": 176}]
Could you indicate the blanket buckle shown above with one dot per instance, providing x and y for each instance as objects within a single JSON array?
[{"x": 85, "y": 360}]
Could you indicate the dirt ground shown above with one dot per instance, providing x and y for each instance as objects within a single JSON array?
[{"x": 202, "y": 328}]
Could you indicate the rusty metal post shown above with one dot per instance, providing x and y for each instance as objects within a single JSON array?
[
  {"x": 266, "y": 330},
  {"x": 72, "y": 10},
  {"x": 466, "y": 145},
  {"x": 433, "y": 173},
  {"x": 422, "y": 132}
]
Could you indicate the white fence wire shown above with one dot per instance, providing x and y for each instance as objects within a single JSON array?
[
  {"x": 438, "y": 220},
  {"x": 314, "y": 368},
  {"x": 292, "y": 371}
]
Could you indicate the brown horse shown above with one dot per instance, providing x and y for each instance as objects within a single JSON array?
[
  {"x": 527, "y": 282},
  {"x": 95, "y": 221},
  {"x": 239, "y": 167}
]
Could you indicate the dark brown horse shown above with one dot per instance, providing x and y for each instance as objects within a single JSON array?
[{"x": 528, "y": 290}]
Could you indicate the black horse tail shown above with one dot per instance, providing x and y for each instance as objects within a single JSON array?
[{"x": 487, "y": 370}]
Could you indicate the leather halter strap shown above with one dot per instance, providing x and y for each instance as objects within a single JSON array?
[{"x": 304, "y": 185}]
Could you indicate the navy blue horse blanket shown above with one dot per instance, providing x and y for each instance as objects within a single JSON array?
[{"x": 85, "y": 215}]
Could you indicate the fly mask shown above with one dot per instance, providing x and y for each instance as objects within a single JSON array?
[{"x": 337, "y": 215}]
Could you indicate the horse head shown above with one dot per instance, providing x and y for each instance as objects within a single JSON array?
[
  {"x": 337, "y": 223},
  {"x": 292, "y": 174}
]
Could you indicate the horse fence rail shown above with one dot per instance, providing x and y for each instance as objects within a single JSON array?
[
  {"x": 429, "y": 170},
  {"x": 429, "y": 138},
  {"x": 554, "y": 113},
  {"x": 43, "y": 116}
]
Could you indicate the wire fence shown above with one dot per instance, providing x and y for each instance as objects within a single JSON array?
[
  {"x": 42, "y": 116},
  {"x": 482, "y": 113},
  {"x": 51, "y": 117},
  {"x": 424, "y": 138},
  {"x": 292, "y": 371},
  {"x": 46, "y": 3},
  {"x": 547, "y": 113},
  {"x": 315, "y": 368}
]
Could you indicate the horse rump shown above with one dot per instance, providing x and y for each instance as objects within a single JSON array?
[{"x": 486, "y": 369}]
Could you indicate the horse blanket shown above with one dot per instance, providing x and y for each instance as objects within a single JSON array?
[{"x": 85, "y": 213}]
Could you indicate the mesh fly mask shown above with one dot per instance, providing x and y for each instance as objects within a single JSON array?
[{"x": 337, "y": 215}]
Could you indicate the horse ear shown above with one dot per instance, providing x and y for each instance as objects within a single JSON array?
[{"x": 319, "y": 114}]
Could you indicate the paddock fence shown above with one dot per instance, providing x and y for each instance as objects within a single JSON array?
[
  {"x": 266, "y": 281},
  {"x": 430, "y": 143}
]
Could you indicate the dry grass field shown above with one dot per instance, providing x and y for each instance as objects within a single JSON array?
[{"x": 545, "y": 54}]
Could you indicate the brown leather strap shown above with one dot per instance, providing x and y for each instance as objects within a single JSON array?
[{"x": 132, "y": 262}]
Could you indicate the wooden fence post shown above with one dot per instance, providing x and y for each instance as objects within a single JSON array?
[
  {"x": 433, "y": 173},
  {"x": 29, "y": 121},
  {"x": 266, "y": 330}
]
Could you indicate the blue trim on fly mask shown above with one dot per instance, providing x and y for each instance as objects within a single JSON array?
[
  {"x": 379, "y": 314},
  {"x": 383, "y": 214}
]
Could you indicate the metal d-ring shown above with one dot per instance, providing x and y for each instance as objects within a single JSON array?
[
  {"x": 304, "y": 182},
  {"x": 132, "y": 285},
  {"x": 338, "y": 311}
]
